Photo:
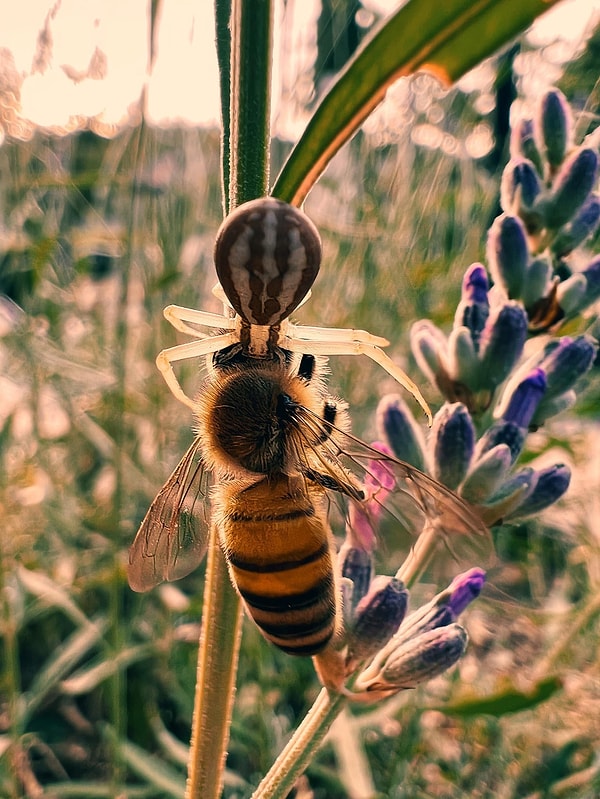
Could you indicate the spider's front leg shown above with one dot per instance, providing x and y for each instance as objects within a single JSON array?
[
  {"x": 193, "y": 349},
  {"x": 179, "y": 317},
  {"x": 336, "y": 341}
]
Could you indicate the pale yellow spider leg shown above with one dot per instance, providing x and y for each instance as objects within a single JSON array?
[
  {"x": 335, "y": 334},
  {"x": 178, "y": 316},
  {"x": 220, "y": 295},
  {"x": 361, "y": 348},
  {"x": 193, "y": 349}
]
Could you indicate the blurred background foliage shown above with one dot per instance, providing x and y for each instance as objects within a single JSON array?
[{"x": 97, "y": 235}]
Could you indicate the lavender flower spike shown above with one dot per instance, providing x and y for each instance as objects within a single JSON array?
[
  {"x": 453, "y": 434},
  {"x": 502, "y": 343},
  {"x": 474, "y": 307},
  {"x": 556, "y": 126},
  {"x": 508, "y": 254},
  {"x": 573, "y": 185},
  {"x": 464, "y": 589},
  {"x": 525, "y": 399},
  {"x": 397, "y": 427},
  {"x": 551, "y": 485},
  {"x": 377, "y": 617}
]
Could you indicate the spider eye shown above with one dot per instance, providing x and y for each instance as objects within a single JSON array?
[{"x": 267, "y": 256}]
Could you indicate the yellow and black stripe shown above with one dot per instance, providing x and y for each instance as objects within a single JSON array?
[{"x": 277, "y": 544}]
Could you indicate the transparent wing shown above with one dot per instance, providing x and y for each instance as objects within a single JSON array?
[
  {"x": 389, "y": 494},
  {"x": 173, "y": 535}
]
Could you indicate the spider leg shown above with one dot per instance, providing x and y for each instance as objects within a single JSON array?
[
  {"x": 219, "y": 293},
  {"x": 335, "y": 334},
  {"x": 357, "y": 347},
  {"x": 192, "y": 349},
  {"x": 178, "y": 316}
]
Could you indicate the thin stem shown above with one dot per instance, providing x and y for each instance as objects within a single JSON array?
[
  {"x": 215, "y": 679},
  {"x": 298, "y": 753},
  {"x": 246, "y": 115},
  {"x": 251, "y": 54}
]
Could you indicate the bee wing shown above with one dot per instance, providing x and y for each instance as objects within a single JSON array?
[
  {"x": 381, "y": 487},
  {"x": 173, "y": 535},
  {"x": 418, "y": 501}
]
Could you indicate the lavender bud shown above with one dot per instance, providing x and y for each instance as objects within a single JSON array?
[
  {"x": 556, "y": 124},
  {"x": 519, "y": 187},
  {"x": 378, "y": 616},
  {"x": 486, "y": 474},
  {"x": 464, "y": 589},
  {"x": 572, "y": 187},
  {"x": 474, "y": 307},
  {"x": 502, "y": 342},
  {"x": 522, "y": 143},
  {"x": 445, "y": 607},
  {"x": 463, "y": 363},
  {"x": 507, "y": 433},
  {"x": 397, "y": 427},
  {"x": 356, "y": 565},
  {"x": 508, "y": 254},
  {"x": 428, "y": 344},
  {"x": 551, "y": 485},
  {"x": 525, "y": 399},
  {"x": 537, "y": 281},
  {"x": 453, "y": 434},
  {"x": 592, "y": 279},
  {"x": 565, "y": 361},
  {"x": 509, "y": 496},
  {"x": 414, "y": 662},
  {"x": 571, "y": 294},
  {"x": 577, "y": 231}
]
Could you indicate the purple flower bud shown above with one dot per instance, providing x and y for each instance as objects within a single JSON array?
[
  {"x": 464, "y": 589},
  {"x": 575, "y": 233},
  {"x": 509, "y": 496},
  {"x": 537, "y": 282},
  {"x": 519, "y": 187},
  {"x": 397, "y": 427},
  {"x": 525, "y": 399},
  {"x": 551, "y": 485},
  {"x": 428, "y": 344},
  {"x": 486, "y": 474},
  {"x": 522, "y": 143},
  {"x": 474, "y": 307},
  {"x": 566, "y": 360},
  {"x": 414, "y": 662},
  {"x": 507, "y": 433},
  {"x": 453, "y": 434},
  {"x": 555, "y": 124},
  {"x": 592, "y": 279},
  {"x": 572, "y": 187},
  {"x": 377, "y": 617},
  {"x": 508, "y": 254},
  {"x": 356, "y": 565},
  {"x": 502, "y": 342}
]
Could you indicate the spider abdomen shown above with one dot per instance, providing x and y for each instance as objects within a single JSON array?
[{"x": 267, "y": 256}]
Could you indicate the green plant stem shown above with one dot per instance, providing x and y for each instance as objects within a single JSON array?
[
  {"x": 246, "y": 115},
  {"x": 250, "y": 106},
  {"x": 301, "y": 747},
  {"x": 215, "y": 679}
]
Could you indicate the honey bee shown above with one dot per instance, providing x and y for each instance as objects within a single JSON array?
[{"x": 272, "y": 444}]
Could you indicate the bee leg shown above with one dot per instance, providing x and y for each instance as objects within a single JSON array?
[{"x": 193, "y": 349}]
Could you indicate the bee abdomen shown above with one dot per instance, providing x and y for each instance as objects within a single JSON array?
[{"x": 298, "y": 623}]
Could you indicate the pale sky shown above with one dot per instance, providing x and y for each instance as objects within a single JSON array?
[{"x": 184, "y": 83}]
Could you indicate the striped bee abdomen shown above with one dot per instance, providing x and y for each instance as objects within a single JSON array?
[{"x": 277, "y": 544}]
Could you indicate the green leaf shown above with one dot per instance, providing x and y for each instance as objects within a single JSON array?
[
  {"x": 509, "y": 700},
  {"x": 446, "y": 39}
]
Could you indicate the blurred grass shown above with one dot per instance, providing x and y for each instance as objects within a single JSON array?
[{"x": 96, "y": 685}]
